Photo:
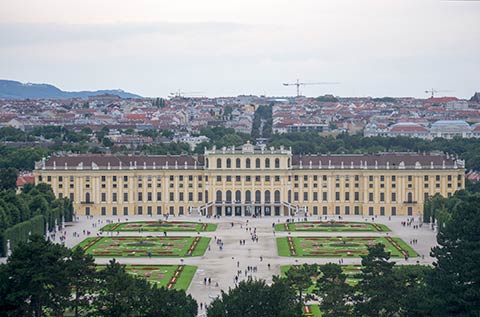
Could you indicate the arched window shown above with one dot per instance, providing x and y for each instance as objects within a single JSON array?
[
  {"x": 87, "y": 197},
  {"x": 267, "y": 163},
  {"x": 277, "y": 196},
  {"x": 237, "y": 163},
  {"x": 267, "y": 196},
  {"x": 409, "y": 197},
  {"x": 219, "y": 196},
  {"x": 238, "y": 196},
  {"x": 206, "y": 163},
  {"x": 277, "y": 163},
  {"x": 219, "y": 163},
  {"x": 257, "y": 163},
  {"x": 247, "y": 163},
  {"x": 229, "y": 163},
  {"x": 248, "y": 196},
  {"x": 258, "y": 196},
  {"x": 290, "y": 196},
  {"x": 288, "y": 163},
  {"x": 229, "y": 196}
]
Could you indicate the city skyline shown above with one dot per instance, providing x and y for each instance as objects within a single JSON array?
[{"x": 372, "y": 48}]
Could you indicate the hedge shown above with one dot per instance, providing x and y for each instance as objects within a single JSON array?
[{"x": 20, "y": 232}]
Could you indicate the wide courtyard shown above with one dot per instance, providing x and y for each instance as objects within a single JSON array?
[{"x": 220, "y": 255}]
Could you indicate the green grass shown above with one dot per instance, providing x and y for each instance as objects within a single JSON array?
[
  {"x": 142, "y": 246},
  {"x": 315, "y": 311},
  {"x": 336, "y": 226},
  {"x": 162, "y": 274},
  {"x": 340, "y": 247},
  {"x": 160, "y": 226}
]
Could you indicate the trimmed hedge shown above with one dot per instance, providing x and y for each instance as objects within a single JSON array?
[{"x": 20, "y": 232}]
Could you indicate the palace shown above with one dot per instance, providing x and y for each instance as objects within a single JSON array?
[{"x": 251, "y": 180}]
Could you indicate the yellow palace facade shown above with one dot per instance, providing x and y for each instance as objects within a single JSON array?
[{"x": 250, "y": 180}]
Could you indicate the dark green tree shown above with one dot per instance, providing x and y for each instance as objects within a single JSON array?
[
  {"x": 378, "y": 290},
  {"x": 254, "y": 298},
  {"x": 35, "y": 280},
  {"x": 81, "y": 273},
  {"x": 299, "y": 277},
  {"x": 415, "y": 298},
  {"x": 333, "y": 291},
  {"x": 456, "y": 277},
  {"x": 8, "y": 178}
]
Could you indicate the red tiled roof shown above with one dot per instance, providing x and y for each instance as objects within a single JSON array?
[{"x": 25, "y": 179}]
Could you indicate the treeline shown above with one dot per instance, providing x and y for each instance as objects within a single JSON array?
[
  {"x": 49, "y": 132},
  {"x": 20, "y": 158},
  {"x": 310, "y": 143},
  {"x": 451, "y": 288},
  {"x": 220, "y": 137},
  {"x": 301, "y": 143},
  {"x": 31, "y": 212},
  {"x": 45, "y": 279}
]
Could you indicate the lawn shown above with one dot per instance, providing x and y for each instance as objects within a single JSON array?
[
  {"x": 339, "y": 247},
  {"x": 312, "y": 311},
  {"x": 177, "y": 277},
  {"x": 160, "y": 226},
  {"x": 331, "y": 226},
  {"x": 143, "y": 246}
]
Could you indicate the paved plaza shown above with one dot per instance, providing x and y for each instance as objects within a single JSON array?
[{"x": 221, "y": 265}]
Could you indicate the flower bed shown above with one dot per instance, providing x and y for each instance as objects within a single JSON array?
[
  {"x": 337, "y": 246},
  {"x": 151, "y": 246},
  {"x": 160, "y": 226},
  {"x": 332, "y": 226}
]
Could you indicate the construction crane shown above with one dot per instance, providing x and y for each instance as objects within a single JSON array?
[
  {"x": 298, "y": 84},
  {"x": 184, "y": 94},
  {"x": 434, "y": 91}
]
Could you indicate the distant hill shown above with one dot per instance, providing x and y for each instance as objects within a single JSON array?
[{"x": 10, "y": 89}]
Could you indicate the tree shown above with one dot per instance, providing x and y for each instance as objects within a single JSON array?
[
  {"x": 377, "y": 277},
  {"x": 456, "y": 278},
  {"x": 81, "y": 273},
  {"x": 415, "y": 297},
  {"x": 8, "y": 178},
  {"x": 254, "y": 298},
  {"x": 333, "y": 291},
  {"x": 300, "y": 279},
  {"x": 107, "y": 142},
  {"x": 165, "y": 302},
  {"x": 117, "y": 292},
  {"x": 35, "y": 280}
]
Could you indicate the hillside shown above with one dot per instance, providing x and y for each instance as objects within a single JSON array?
[{"x": 10, "y": 89}]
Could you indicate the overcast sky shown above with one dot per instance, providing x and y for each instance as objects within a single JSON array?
[{"x": 231, "y": 47}]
